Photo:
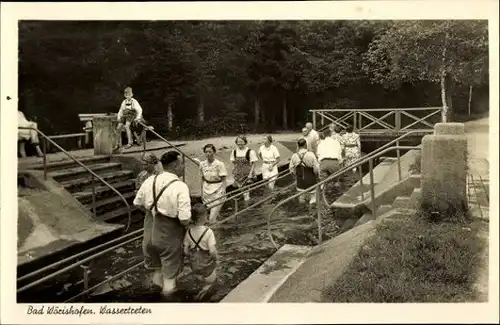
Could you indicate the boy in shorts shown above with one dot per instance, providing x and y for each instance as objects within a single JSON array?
[
  {"x": 200, "y": 247},
  {"x": 129, "y": 115}
]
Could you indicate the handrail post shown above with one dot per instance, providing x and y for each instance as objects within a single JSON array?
[
  {"x": 360, "y": 172},
  {"x": 93, "y": 196},
  {"x": 318, "y": 212},
  {"x": 399, "y": 160},
  {"x": 44, "y": 149},
  {"x": 354, "y": 121},
  {"x": 397, "y": 120},
  {"x": 372, "y": 190},
  {"x": 314, "y": 120},
  {"x": 85, "y": 278}
]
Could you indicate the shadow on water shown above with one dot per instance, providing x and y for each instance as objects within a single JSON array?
[{"x": 243, "y": 246}]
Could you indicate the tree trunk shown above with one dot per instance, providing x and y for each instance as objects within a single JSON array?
[
  {"x": 256, "y": 111},
  {"x": 444, "y": 95},
  {"x": 285, "y": 117},
  {"x": 170, "y": 116},
  {"x": 470, "y": 98},
  {"x": 201, "y": 110}
]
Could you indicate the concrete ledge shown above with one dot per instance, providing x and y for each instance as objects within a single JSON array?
[
  {"x": 261, "y": 284},
  {"x": 324, "y": 264}
]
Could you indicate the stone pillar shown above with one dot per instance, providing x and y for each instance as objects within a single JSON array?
[
  {"x": 106, "y": 138},
  {"x": 444, "y": 169}
]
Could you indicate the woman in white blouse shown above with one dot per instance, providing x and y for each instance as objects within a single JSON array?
[
  {"x": 270, "y": 157},
  {"x": 213, "y": 173}
]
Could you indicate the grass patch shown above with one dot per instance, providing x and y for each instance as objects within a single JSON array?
[{"x": 413, "y": 260}]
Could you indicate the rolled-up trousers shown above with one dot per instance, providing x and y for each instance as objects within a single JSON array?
[{"x": 162, "y": 245}]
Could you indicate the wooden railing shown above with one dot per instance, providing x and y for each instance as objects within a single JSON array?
[{"x": 378, "y": 120}]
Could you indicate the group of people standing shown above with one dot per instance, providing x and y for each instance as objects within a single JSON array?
[
  {"x": 321, "y": 154},
  {"x": 172, "y": 228}
]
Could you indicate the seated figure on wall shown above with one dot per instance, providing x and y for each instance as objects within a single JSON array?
[{"x": 27, "y": 136}]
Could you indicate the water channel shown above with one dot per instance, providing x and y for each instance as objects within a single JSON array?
[{"x": 243, "y": 245}]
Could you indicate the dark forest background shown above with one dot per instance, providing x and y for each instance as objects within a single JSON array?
[{"x": 226, "y": 77}]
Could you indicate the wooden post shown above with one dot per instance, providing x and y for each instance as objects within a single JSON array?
[
  {"x": 314, "y": 120},
  {"x": 397, "y": 120}
]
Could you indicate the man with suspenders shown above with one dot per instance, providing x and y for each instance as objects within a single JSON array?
[
  {"x": 165, "y": 200},
  {"x": 304, "y": 165}
]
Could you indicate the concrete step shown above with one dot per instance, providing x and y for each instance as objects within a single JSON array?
[
  {"x": 402, "y": 202},
  {"x": 85, "y": 182},
  {"x": 114, "y": 202},
  {"x": 75, "y": 172},
  {"x": 367, "y": 216},
  {"x": 116, "y": 214},
  {"x": 103, "y": 191},
  {"x": 415, "y": 198},
  {"x": 68, "y": 163}
]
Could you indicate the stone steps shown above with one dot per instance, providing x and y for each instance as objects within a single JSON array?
[
  {"x": 104, "y": 192},
  {"x": 77, "y": 181},
  {"x": 85, "y": 183},
  {"x": 74, "y": 171}
]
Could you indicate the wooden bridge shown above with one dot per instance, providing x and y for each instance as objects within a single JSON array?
[{"x": 379, "y": 123}]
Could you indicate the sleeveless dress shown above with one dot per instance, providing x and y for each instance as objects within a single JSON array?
[{"x": 242, "y": 167}]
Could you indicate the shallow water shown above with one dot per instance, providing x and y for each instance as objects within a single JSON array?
[{"x": 243, "y": 245}]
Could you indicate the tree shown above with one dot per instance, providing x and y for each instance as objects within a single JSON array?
[{"x": 441, "y": 52}]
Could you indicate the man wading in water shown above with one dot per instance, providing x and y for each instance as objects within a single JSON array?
[{"x": 167, "y": 204}]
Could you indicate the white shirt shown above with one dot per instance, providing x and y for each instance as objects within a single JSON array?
[
  {"x": 312, "y": 139},
  {"x": 212, "y": 172},
  {"x": 206, "y": 243},
  {"x": 135, "y": 105},
  {"x": 269, "y": 155},
  {"x": 242, "y": 153},
  {"x": 329, "y": 148},
  {"x": 175, "y": 201}
]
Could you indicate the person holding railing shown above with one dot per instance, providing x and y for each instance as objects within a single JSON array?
[
  {"x": 244, "y": 160},
  {"x": 167, "y": 203},
  {"x": 27, "y": 135},
  {"x": 213, "y": 174},
  {"x": 150, "y": 168},
  {"x": 305, "y": 167},
  {"x": 129, "y": 114},
  {"x": 270, "y": 156},
  {"x": 352, "y": 146}
]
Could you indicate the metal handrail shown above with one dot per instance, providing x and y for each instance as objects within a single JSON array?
[
  {"x": 46, "y": 138},
  {"x": 387, "y": 145},
  {"x": 107, "y": 250},
  {"x": 317, "y": 186},
  {"x": 174, "y": 147},
  {"x": 234, "y": 194},
  {"x": 245, "y": 189},
  {"x": 215, "y": 225},
  {"x": 81, "y": 254}
]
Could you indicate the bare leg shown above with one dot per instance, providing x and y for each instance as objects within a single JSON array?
[
  {"x": 129, "y": 135},
  {"x": 209, "y": 282},
  {"x": 22, "y": 148}
]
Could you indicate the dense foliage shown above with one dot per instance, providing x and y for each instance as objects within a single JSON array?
[{"x": 236, "y": 76}]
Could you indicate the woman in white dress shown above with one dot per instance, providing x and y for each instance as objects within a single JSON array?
[
  {"x": 352, "y": 145},
  {"x": 213, "y": 173},
  {"x": 270, "y": 158}
]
